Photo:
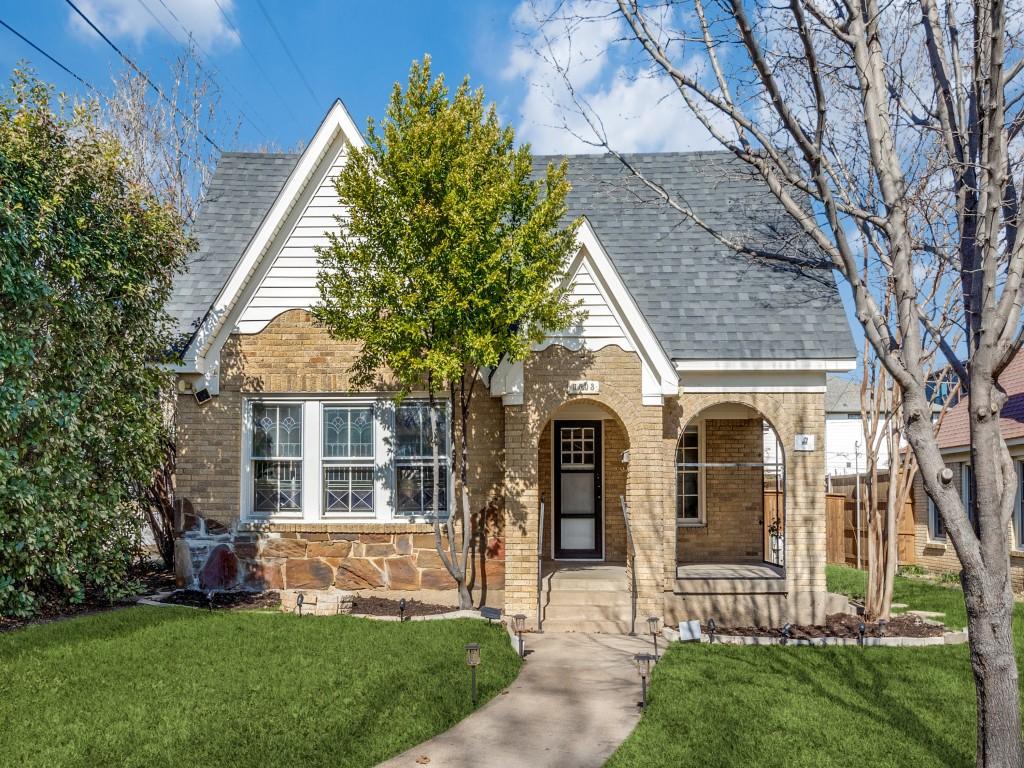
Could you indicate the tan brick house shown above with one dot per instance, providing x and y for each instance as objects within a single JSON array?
[
  {"x": 618, "y": 471},
  {"x": 934, "y": 550}
]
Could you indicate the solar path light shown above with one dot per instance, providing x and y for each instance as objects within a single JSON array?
[
  {"x": 652, "y": 625},
  {"x": 643, "y": 667},
  {"x": 519, "y": 625},
  {"x": 473, "y": 661},
  {"x": 401, "y": 609}
]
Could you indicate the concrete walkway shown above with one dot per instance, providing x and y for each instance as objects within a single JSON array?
[{"x": 573, "y": 703}]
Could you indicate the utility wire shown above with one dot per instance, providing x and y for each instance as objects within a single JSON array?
[
  {"x": 255, "y": 61},
  {"x": 71, "y": 72},
  {"x": 287, "y": 50},
  {"x": 216, "y": 72},
  {"x": 144, "y": 76}
]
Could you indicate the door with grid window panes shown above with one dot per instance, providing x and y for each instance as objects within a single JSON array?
[
  {"x": 577, "y": 476},
  {"x": 277, "y": 459},
  {"x": 348, "y": 461}
]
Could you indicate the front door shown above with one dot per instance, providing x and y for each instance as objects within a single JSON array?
[{"x": 578, "y": 490}]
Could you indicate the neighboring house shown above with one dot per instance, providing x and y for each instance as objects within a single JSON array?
[
  {"x": 845, "y": 435},
  {"x": 657, "y": 397},
  {"x": 934, "y": 549}
]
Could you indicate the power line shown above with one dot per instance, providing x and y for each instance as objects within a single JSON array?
[
  {"x": 144, "y": 76},
  {"x": 255, "y": 61},
  {"x": 71, "y": 72},
  {"x": 287, "y": 50},
  {"x": 216, "y": 72}
]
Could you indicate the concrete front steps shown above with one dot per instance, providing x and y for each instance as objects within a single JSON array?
[{"x": 592, "y": 599}]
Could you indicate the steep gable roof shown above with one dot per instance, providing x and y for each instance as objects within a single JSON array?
[{"x": 704, "y": 301}]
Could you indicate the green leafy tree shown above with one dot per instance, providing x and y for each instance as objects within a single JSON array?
[
  {"x": 86, "y": 263},
  {"x": 450, "y": 258}
]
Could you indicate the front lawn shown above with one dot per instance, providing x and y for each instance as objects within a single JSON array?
[
  {"x": 726, "y": 705},
  {"x": 150, "y": 686}
]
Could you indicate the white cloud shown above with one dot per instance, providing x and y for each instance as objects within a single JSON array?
[
  {"x": 638, "y": 108},
  {"x": 120, "y": 19}
]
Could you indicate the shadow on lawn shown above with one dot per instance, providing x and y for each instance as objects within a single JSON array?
[
  {"x": 869, "y": 697},
  {"x": 117, "y": 623}
]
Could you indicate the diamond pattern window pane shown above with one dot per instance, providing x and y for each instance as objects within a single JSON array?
[
  {"x": 348, "y": 432},
  {"x": 412, "y": 430},
  {"x": 416, "y": 490},
  {"x": 278, "y": 486},
  {"x": 277, "y": 430},
  {"x": 348, "y": 490}
]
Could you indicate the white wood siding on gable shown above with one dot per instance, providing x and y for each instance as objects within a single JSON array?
[
  {"x": 291, "y": 282},
  {"x": 602, "y": 326}
]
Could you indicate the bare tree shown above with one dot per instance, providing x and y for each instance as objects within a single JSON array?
[
  {"x": 171, "y": 141},
  {"x": 900, "y": 124}
]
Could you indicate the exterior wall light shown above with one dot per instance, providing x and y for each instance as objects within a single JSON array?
[
  {"x": 643, "y": 667},
  {"x": 473, "y": 661},
  {"x": 519, "y": 625},
  {"x": 652, "y": 624}
]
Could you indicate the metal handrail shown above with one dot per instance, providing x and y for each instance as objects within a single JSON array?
[
  {"x": 540, "y": 567},
  {"x": 632, "y": 565}
]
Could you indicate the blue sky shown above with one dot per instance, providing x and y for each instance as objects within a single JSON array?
[{"x": 356, "y": 51}]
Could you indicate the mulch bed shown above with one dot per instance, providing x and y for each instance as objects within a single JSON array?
[
  {"x": 224, "y": 601},
  {"x": 841, "y": 625},
  {"x": 153, "y": 577},
  {"x": 382, "y": 606}
]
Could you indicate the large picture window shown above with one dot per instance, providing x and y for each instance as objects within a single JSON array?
[
  {"x": 354, "y": 459},
  {"x": 414, "y": 460},
  {"x": 277, "y": 458},
  {"x": 689, "y": 507}
]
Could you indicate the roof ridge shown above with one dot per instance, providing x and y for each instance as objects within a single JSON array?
[{"x": 289, "y": 155}]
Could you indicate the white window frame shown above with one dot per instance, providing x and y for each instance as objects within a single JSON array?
[
  {"x": 933, "y": 523},
  {"x": 351, "y": 462},
  {"x": 701, "y": 520},
  {"x": 1018, "y": 512},
  {"x": 313, "y": 461},
  {"x": 425, "y": 461}
]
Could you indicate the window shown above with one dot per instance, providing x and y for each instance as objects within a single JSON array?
[
  {"x": 1018, "y": 516},
  {"x": 348, "y": 460},
  {"x": 414, "y": 460},
  {"x": 358, "y": 458},
  {"x": 689, "y": 478},
  {"x": 277, "y": 458},
  {"x": 936, "y": 531}
]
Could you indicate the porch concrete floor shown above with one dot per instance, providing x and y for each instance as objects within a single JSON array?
[
  {"x": 574, "y": 702},
  {"x": 729, "y": 571}
]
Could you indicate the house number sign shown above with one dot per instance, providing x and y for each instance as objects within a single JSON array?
[{"x": 583, "y": 387}]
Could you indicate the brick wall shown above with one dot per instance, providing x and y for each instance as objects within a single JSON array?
[
  {"x": 733, "y": 496},
  {"x": 292, "y": 355}
]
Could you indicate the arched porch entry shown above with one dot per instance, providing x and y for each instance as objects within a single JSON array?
[
  {"x": 583, "y": 472},
  {"x": 730, "y": 505}
]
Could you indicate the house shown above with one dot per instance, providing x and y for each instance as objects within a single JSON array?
[
  {"x": 934, "y": 550},
  {"x": 845, "y": 430},
  {"x": 653, "y": 406}
]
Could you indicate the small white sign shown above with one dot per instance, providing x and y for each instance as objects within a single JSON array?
[
  {"x": 804, "y": 443},
  {"x": 583, "y": 387}
]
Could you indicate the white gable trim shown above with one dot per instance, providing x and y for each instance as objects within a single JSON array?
[
  {"x": 659, "y": 378},
  {"x": 203, "y": 353}
]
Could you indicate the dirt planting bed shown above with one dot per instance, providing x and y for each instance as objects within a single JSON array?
[
  {"x": 224, "y": 601},
  {"x": 842, "y": 625},
  {"x": 383, "y": 606}
]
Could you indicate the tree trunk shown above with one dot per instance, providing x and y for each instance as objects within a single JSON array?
[{"x": 465, "y": 599}]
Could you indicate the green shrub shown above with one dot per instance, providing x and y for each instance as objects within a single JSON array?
[
  {"x": 86, "y": 265},
  {"x": 910, "y": 570},
  {"x": 949, "y": 577}
]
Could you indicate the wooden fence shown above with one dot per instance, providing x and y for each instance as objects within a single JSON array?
[{"x": 841, "y": 524}]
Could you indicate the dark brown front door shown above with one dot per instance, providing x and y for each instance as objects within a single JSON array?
[{"x": 578, "y": 505}]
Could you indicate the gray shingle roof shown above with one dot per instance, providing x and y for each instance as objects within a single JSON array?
[
  {"x": 842, "y": 395},
  {"x": 702, "y": 300},
  {"x": 241, "y": 192}
]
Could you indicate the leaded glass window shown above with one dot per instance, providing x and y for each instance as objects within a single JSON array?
[
  {"x": 277, "y": 458},
  {"x": 414, "y": 459},
  {"x": 348, "y": 460}
]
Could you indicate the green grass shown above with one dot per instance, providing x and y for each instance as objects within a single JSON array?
[
  {"x": 179, "y": 687},
  {"x": 811, "y": 706}
]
